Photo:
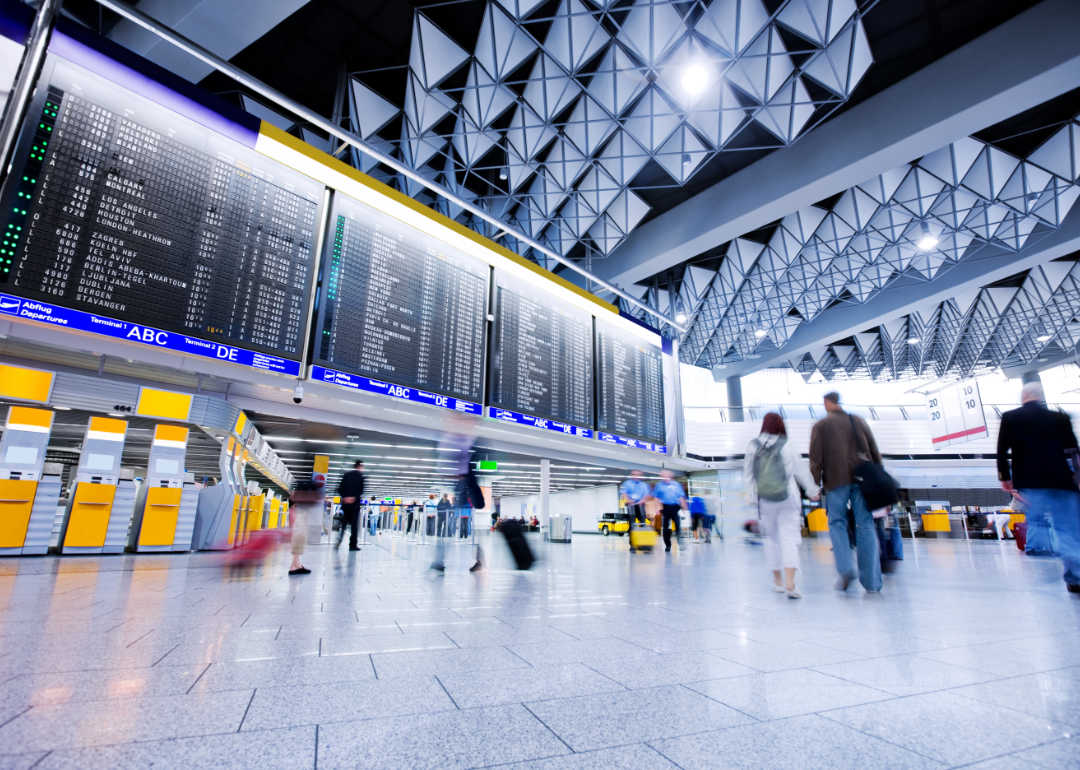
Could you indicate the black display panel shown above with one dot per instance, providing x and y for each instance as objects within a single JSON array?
[
  {"x": 630, "y": 389},
  {"x": 122, "y": 207},
  {"x": 400, "y": 305},
  {"x": 541, "y": 356}
]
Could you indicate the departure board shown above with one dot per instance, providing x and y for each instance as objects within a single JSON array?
[
  {"x": 400, "y": 305},
  {"x": 630, "y": 393},
  {"x": 541, "y": 357},
  {"x": 122, "y": 207}
]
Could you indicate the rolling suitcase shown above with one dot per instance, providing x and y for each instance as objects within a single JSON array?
[
  {"x": 519, "y": 546},
  {"x": 1020, "y": 534},
  {"x": 642, "y": 537}
]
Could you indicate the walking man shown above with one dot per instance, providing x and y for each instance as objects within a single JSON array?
[
  {"x": 672, "y": 498},
  {"x": 351, "y": 492},
  {"x": 635, "y": 492},
  {"x": 1037, "y": 439},
  {"x": 838, "y": 444}
]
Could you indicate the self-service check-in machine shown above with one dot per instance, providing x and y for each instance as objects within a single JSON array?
[
  {"x": 273, "y": 512},
  {"x": 256, "y": 508},
  {"x": 167, "y": 502},
  {"x": 103, "y": 497},
  {"x": 29, "y": 487},
  {"x": 220, "y": 506}
]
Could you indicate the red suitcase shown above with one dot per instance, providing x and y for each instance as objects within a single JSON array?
[{"x": 1020, "y": 533}]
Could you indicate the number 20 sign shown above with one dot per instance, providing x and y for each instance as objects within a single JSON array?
[{"x": 955, "y": 414}]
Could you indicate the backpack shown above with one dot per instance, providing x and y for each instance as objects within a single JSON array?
[{"x": 772, "y": 483}]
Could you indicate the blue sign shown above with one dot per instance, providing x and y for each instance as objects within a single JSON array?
[
  {"x": 633, "y": 443},
  {"x": 356, "y": 382},
  {"x": 69, "y": 318},
  {"x": 538, "y": 422}
]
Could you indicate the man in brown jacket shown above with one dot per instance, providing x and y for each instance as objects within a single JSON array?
[{"x": 838, "y": 444}]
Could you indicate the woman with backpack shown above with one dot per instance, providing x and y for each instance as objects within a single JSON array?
[{"x": 774, "y": 471}]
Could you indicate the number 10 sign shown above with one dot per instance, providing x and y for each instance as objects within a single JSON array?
[{"x": 956, "y": 414}]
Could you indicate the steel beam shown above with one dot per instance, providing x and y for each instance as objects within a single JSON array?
[{"x": 1018, "y": 65}]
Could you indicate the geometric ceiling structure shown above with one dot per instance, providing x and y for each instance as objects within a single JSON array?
[
  {"x": 917, "y": 221},
  {"x": 546, "y": 122},
  {"x": 997, "y": 327}
]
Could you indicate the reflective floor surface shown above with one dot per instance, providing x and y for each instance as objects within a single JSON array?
[{"x": 595, "y": 659}]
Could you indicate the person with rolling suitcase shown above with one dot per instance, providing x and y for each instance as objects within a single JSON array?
[{"x": 635, "y": 493}]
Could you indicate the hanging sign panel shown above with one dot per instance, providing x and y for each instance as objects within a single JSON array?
[
  {"x": 120, "y": 206},
  {"x": 400, "y": 305},
  {"x": 541, "y": 359},
  {"x": 630, "y": 388},
  {"x": 956, "y": 415}
]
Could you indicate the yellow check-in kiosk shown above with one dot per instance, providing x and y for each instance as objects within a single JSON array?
[
  {"x": 273, "y": 513},
  {"x": 103, "y": 498},
  {"x": 256, "y": 509},
  {"x": 29, "y": 487},
  {"x": 168, "y": 500}
]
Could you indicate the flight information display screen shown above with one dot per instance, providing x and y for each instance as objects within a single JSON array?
[
  {"x": 630, "y": 393},
  {"x": 400, "y": 305},
  {"x": 121, "y": 207},
  {"x": 541, "y": 358}
]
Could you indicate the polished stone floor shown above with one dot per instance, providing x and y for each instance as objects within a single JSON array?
[{"x": 595, "y": 659}]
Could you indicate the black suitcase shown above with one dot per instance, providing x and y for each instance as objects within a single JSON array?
[{"x": 519, "y": 546}]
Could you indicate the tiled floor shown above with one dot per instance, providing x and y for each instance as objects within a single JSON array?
[{"x": 595, "y": 659}]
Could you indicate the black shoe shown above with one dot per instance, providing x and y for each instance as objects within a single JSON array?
[
  {"x": 301, "y": 571},
  {"x": 438, "y": 567},
  {"x": 1074, "y": 588},
  {"x": 476, "y": 567},
  {"x": 354, "y": 549}
]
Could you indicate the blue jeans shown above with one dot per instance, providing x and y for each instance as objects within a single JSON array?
[
  {"x": 1064, "y": 506},
  {"x": 866, "y": 539}
]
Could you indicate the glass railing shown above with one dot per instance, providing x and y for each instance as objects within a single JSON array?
[{"x": 875, "y": 413}]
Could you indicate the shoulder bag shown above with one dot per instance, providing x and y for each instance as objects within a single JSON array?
[{"x": 879, "y": 489}]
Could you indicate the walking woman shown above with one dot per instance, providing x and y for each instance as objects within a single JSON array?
[
  {"x": 305, "y": 518},
  {"x": 771, "y": 469}
]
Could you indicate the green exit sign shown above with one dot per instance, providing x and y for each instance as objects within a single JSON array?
[{"x": 487, "y": 465}]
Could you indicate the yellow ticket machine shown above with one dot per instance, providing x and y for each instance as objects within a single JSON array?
[
  {"x": 29, "y": 487},
  {"x": 165, "y": 511},
  {"x": 103, "y": 498}
]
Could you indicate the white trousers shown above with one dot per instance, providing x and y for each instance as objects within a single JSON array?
[
  {"x": 781, "y": 525},
  {"x": 999, "y": 521}
]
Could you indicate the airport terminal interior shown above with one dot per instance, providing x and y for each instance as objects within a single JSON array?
[{"x": 539, "y": 384}]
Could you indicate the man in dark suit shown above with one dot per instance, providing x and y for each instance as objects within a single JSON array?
[
  {"x": 1040, "y": 476},
  {"x": 351, "y": 492}
]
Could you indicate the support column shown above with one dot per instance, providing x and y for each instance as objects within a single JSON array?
[
  {"x": 734, "y": 399},
  {"x": 545, "y": 496}
]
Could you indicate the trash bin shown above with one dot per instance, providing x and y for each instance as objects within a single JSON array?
[{"x": 560, "y": 528}]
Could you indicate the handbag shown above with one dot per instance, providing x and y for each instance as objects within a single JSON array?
[{"x": 879, "y": 489}]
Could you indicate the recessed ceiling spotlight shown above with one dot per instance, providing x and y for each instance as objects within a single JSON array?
[
  {"x": 680, "y": 318},
  {"x": 1043, "y": 338},
  {"x": 760, "y": 332},
  {"x": 695, "y": 79},
  {"x": 63, "y": 408},
  {"x": 913, "y": 340},
  {"x": 928, "y": 240}
]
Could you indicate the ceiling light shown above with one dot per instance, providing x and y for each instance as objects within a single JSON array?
[
  {"x": 760, "y": 332},
  {"x": 913, "y": 340},
  {"x": 502, "y": 173},
  {"x": 680, "y": 318},
  {"x": 695, "y": 78},
  {"x": 1043, "y": 338},
  {"x": 116, "y": 414},
  {"x": 63, "y": 408},
  {"x": 928, "y": 240}
]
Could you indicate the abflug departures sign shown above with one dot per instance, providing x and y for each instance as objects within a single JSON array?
[
  {"x": 630, "y": 391},
  {"x": 128, "y": 219}
]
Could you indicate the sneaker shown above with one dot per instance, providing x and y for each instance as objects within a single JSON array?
[{"x": 793, "y": 594}]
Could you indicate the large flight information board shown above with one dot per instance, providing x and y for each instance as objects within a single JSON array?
[
  {"x": 400, "y": 305},
  {"x": 541, "y": 358},
  {"x": 630, "y": 395},
  {"x": 122, "y": 207}
]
